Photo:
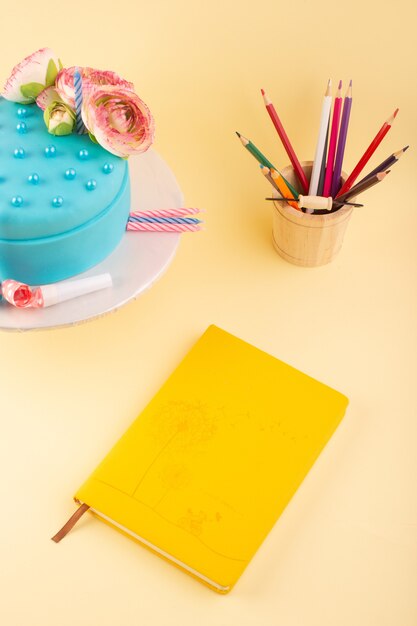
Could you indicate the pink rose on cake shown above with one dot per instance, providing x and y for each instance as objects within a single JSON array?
[
  {"x": 31, "y": 76},
  {"x": 118, "y": 119},
  {"x": 64, "y": 84},
  {"x": 47, "y": 97},
  {"x": 98, "y": 102}
]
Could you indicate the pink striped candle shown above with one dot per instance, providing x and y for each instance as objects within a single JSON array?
[
  {"x": 165, "y": 213},
  {"x": 333, "y": 141}
]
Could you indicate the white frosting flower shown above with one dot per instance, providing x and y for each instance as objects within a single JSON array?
[{"x": 30, "y": 77}]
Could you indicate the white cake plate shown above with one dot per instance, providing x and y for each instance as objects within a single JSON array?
[{"x": 137, "y": 262}]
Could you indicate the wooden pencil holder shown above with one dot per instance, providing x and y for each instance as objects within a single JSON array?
[{"x": 303, "y": 238}]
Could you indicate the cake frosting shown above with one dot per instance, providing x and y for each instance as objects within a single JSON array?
[
  {"x": 64, "y": 177},
  {"x": 64, "y": 201}
]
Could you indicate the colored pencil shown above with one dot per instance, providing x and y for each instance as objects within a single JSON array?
[
  {"x": 363, "y": 186},
  {"x": 285, "y": 191},
  {"x": 367, "y": 154},
  {"x": 324, "y": 121},
  {"x": 266, "y": 172},
  {"x": 333, "y": 141},
  {"x": 341, "y": 142},
  {"x": 391, "y": 160},
  {"x": 255, "y": 152},
  {"x": 323, "y": 164},
  {"x": 299, "y": 172}
]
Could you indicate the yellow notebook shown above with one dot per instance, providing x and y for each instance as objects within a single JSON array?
[{"x": 207, "y": 468}]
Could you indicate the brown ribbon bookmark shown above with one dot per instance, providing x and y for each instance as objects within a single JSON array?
[{"x": 71, "y": 523}]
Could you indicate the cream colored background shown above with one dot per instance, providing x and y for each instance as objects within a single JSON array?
[{"x": 345, "y": 551}]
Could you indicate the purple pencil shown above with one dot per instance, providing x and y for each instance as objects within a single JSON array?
[{"x": 347, "y": 105}]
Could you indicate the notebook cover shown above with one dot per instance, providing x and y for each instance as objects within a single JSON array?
[{"x": 210, "y": 464}]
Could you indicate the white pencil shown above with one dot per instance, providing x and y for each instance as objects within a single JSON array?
[{"x": 318, "y": 158}]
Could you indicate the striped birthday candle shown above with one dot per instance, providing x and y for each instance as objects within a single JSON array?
[
  {"x": 158, "y": 227},
  {"x": 165, "y": 213},
  {"x": 78, "y": 89},
  {"x": 166, "y": 220}
]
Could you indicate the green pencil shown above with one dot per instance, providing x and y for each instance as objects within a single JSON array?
[{"x": 264, "y": 161}]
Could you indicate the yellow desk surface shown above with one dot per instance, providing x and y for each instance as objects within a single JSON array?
[{"x": 345, "y": 550}]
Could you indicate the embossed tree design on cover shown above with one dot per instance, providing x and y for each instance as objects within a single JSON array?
[{"x": 178, "y": 427}]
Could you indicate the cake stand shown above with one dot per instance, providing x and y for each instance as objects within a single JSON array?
[{"x": 137, "y": 262}]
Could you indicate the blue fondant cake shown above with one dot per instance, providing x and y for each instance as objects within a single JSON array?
[{"x": 64, "y": 201}]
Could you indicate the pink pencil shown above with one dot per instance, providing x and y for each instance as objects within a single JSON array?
[{"x": 333, "y": 141}]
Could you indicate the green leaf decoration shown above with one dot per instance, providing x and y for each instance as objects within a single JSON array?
[
  {"x": 51, "y": 73},
  {"x": 62, "y": 129},
  {"x": 93, "y": 139},
  {"x": 61, "y": 67},
  {"x": 32, "y": 90}
]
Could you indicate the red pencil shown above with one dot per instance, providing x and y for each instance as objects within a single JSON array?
[
  {"x": 367, "y": 154},
  {"x": 286, "y": 142}
]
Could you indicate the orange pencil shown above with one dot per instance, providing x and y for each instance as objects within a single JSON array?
[{"x": 281, "y": 184}]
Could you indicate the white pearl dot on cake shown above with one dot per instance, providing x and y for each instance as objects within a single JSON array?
[
  {"x": 19, "y": 153},
  {"x": 17, "y": 200},
  {"x": 33, "y": 178},
  {"x": 91, "y": 184},
  {"x": 107, "y": 168},
  {"x": 57, "y": 201},
  {"x": 50, "y": 151},
  {"x": 22, "y": 128},
  {"x": 83, "y": 154},
  {"x": 21, "y": 112},
  {"x": 70, "y": 173}
]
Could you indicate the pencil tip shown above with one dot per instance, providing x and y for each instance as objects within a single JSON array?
[
  {"x": 340, "y": 84},
  {"x": 262, "y": 92},
  {"x": 350, "y": 83},
  {"x": 395, "y": 112},
  {"x": 406, "y": 148},
  {"x": 238, "y": 134}
]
